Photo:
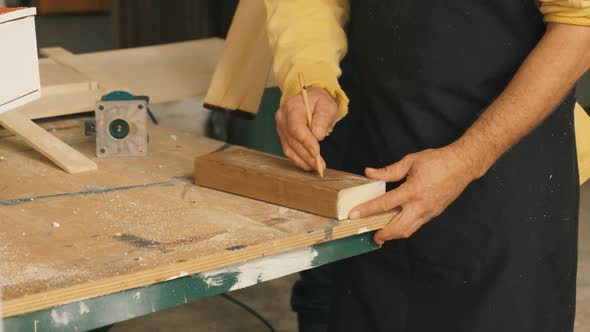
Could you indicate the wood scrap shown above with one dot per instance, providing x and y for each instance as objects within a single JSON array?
[
  {"x": 51, "y": 147},
  {"x": 244, "y": 66},
  {"x": 273, "y": 179}
]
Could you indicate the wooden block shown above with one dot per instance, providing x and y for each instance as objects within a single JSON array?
[
  {"x": 59, "y": 152},
  {"x": 243, "y": 69},
  {"x": 272, "y": 179}
]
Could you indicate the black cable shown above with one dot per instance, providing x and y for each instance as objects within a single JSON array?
[{"x": 249, "y": 310}]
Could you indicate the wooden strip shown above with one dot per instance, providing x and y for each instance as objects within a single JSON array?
[
  {"x": 112, "y": 285},
  {"x": 243, "y": 69},
  {"x": 66, "y": 58},
  {"x": 61, "y": 104},
  {"x": 57, "y": 79},
  {"x": 276, "y": 180},
  {"x": 57, "y": 151}
]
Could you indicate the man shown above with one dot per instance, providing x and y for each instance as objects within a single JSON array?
[{"x": 466, "y": 108}]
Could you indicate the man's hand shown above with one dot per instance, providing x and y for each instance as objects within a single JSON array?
[
  {"x": 434, "y": 179},
  {"x": 300, "y": 144}
]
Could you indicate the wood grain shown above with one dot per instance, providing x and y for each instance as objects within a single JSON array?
[{"x": 276, "y": 180}]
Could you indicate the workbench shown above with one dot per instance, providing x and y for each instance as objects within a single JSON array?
[{"x": 78, "y": 252}]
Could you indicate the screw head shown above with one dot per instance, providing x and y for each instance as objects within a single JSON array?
[
  {"x": 140, "y": 106},
  {"x": 103, "y": 150},
  {"x": 101, "y": 107}
]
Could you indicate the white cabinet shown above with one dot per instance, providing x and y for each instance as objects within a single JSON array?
[{"x": 19, "y": 66}]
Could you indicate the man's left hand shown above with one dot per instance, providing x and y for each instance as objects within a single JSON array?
[{"x": 434, "y": 179}]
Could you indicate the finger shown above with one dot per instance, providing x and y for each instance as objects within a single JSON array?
[
  {"x": 383, "y": 203},
  {"x": 296, "y": 121},
  {"x": 302, "y": 152},
  {"x": 297, "y": 160},
  {"x": 392, "y": 173},
  {"x": 323, "y": 117},
  {"x": 289, "y": 153},
  {"x": 402, "y": 227}
]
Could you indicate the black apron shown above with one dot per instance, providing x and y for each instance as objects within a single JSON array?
[{"x": 503, "y": 256}]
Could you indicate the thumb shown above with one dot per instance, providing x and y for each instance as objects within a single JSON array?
[
  {"x": 392, "y": 173},
  {"x": 324, "y": 116}
]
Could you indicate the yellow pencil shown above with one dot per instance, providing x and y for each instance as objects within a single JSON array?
[{"x": 318, "y": 158}]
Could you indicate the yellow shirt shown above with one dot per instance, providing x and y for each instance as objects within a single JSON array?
[{"x": 308, "y": 36}]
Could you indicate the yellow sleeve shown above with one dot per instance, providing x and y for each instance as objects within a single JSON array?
[
  {"x": 566, "y": 11},
  {"x": 308, "y": 36},
  {"x": 582, "y": 123}
]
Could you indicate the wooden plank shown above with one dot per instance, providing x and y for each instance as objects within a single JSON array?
[
  {"x": 243, "y": 69},
  {"x": 165, "y": 73},
  {"x": 57, "y": 151},
  {"x": 58, "y": 79},
  {"x": 133, "y": 223},
  {"x": 276, "y": 180},
  {"x": 60, "y": 55},
  {"x": 61, "y": 104}
]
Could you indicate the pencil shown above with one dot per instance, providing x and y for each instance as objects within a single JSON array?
[{"x": 318, "y": 158}]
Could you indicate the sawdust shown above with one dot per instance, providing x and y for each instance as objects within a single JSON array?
[{"x": 14, "y": 274}]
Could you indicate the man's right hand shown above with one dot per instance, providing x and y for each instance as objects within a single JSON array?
[{"x": 300, "y": 144}]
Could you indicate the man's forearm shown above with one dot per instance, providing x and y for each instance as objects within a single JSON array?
[{"x": 541, "y": 83}]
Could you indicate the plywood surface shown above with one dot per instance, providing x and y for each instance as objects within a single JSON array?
[{"x": 135, "y": 222}]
